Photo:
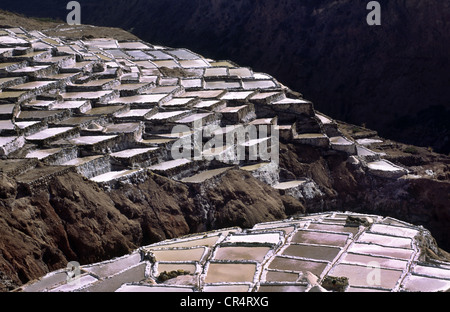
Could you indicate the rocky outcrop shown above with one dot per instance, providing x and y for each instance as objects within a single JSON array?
[{"x": 74, "y": 220}]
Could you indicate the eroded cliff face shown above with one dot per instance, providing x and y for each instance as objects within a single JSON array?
[{"x": 74, "y": 220}]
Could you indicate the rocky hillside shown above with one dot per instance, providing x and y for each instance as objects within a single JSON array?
[{"x": 392, "y": 78}]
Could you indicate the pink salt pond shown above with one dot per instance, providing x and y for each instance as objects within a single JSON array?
[
  {"x": 241, "y": 253},
  {"x": 367, "y": 276},
  {"x": 298, "y": 265},
  {"x": 312, "y": 252},
  {"x": 230, "y": 272},
  {"x": 280, "y": 276},
  {"x": 192, "y": 254},
  {"x": 310, "y": 237}
]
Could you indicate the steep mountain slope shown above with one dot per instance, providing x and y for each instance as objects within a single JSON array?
[{"x": 392, "y": 78}]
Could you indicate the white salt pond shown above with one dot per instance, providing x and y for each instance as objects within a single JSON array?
[
  {"x": 169, "y": 164},
  {"x": 114, "y": 175},
  {"x": 267, "y": 238}
]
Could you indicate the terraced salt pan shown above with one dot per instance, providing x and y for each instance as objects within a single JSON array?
[
  {"x": 174, "y": 255},
  {"x": 383, "y": 165},
  {"x": 12, "y": 40},
  {"x": 310, "y": 136},
  {"x": 339, "y": 140},
  {"x": 41, "y": 154},
  {"x": 381, "y": 261},
  {"x": 241, "y": 253},
  {"x": 174, "y": 102},
  {"x": 14, "y": 95},
  {"x": 167, "y": 115},
  {"x": 169, "y": 267},
  {"x": 237, "y": 95},
  {"x": 34, "y": 85},
  {"x": 169, "y": 164},
  {"x": 46, "y": 282},
  {"x": 289, "y": 184},
  {"x": 48, "y": 133},
  {"x": 298, "y": 265},
  {"x": 140, "y": 99},
  {"x": 432, "y": 271},
  {"x": 264, "y": 238},
  {"x": 193, "y": 118},
  {"x": 221, "y": 84},
  {"x": 93, "y": 95},
  {"x": 312, "y": 252},
  {"x": 318, "y": 238},
  {"x": 394, "y": 230},
  {"x": 133, "y": 45},
  {"x": 194, "y": 63},
  {"x": 81, "y": 161},
  {"x": 281, "y": 276},
  {"x": 91, "y": 140},
  {"x": 133, "y": 274},
  {"x": 192, "y": 242},
  {"x": 133, "y": 152},
  {"x": 256, "y": 142},
  {"x": 211, "y": 104},
  {"x": 362, "y": 151},
  {"x": 324, "y": 120},
  {"x": 79, "y": 106},
  {"x": 376, "y": 250},
  {"x": 204, "y": 94},
  {"x": 166, "y": 63},
  {"x": 258, "y": 84},
  {"x": 6, "y": 125},
  {"x": 425, "y": 284},
  {"x": 282, "y": 288},
  {"x": 368, "y": 141},
  {"x": 114, "y": 266},
  {"x": 191, "y": 83},
  {"x": 183, "y": 54},
  {"x": 135, "y": 113},
  {"x": 230, "y": 272},
  {"x": 384, "y": 240},
  {"x": 83, "y": 281},
  {"x": 227, "y": 288},
  {"x": 168, "y": 81},
  {"x": 360, "y": 275},
  {"x": 290, "y": 101},
  {"x": 241, "y": 72},
  {"x": 153, "y": 289},
  {"x": 333, "y": 228},
  {"x": 216, "y": 71},
  {"x": 113, "y": 175}
]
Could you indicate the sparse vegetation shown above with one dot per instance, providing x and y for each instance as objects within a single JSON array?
[
  {"x": 411, "y": 150},
  {"x": 48, "y": 20},
  {"x": 164, "y": 276}
]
